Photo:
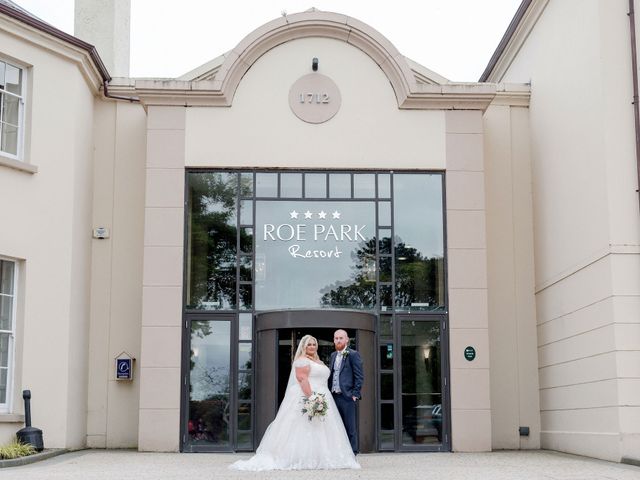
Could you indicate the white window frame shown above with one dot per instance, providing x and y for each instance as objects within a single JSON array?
[
  {"x": 19, "y": 155},
  {"x": 8, "y": 405}
]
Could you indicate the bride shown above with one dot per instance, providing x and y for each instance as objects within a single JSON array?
[{"x": 293, "y": 441}]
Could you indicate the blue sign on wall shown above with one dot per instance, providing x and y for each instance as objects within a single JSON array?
[{"x": 123, "y": 369}]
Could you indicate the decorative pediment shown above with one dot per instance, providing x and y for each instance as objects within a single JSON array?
[
  {"x": 332, "y": 25},
  {"x": 215, "y": 83}
]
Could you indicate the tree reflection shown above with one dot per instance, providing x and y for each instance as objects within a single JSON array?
[
  {"x": 360, "y": 291},
  {"x": 212, "y": 240},
  {"x": 244, "y": 387},
  {"x": 209, "y": 415},
  {"x": 418, "y": 279}
]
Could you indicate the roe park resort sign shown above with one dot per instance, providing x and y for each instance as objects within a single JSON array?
[{"x": 318, "y": 227}]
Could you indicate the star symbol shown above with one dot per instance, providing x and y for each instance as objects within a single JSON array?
[
  {"x": 294, "y": 214},
  {"x": 308, "y": 214},
  {"x": 322, "y": 214},
  {"x": 336, "y": 214}
]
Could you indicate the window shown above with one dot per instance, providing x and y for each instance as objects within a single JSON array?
[
  {"x": 11, "y": 102},
  {"x": 7, "y": 329}
]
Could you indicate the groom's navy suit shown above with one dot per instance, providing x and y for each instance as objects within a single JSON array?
[{"x": 350, "y": 378}]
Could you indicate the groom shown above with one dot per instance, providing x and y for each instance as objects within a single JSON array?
[{"x": 345, "y": 383}]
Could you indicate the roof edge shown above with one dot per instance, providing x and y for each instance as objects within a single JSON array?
[
  {"x": 506, "y": 38},
  {"x": 59, "y": 34}
]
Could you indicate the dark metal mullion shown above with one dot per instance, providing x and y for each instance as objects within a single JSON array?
[
  {"x": 353, "y": 189},
  {"x": 278, "y": 185},
  {"x": 253, "y": 314},
  {"x": 328, "y": 192},
  {"x": 304, "y": 188},
  {"x": 397, "y": 333},
  {"x": 233, "y": 388},
  {"x": 244, "y": 401},
  {"x": 378, "y": 308},
  {"x": 444, "y": 326},
  {"x": 185, "y": 325},
  {"x": 446, "y": 389},
  {"x": 185, "y": 381}
]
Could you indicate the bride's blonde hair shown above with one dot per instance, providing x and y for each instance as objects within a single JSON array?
[{"x": 302, "y": 347}]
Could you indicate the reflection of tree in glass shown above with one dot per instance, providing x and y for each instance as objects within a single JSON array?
[
  {"x": 209, "y": 405},
  {"x": 360, "y": 291},
  {"x": 207, "y": 382},
  {"x": 200, "y": 330},
  {"x": 212, "y": 239},
  {"x": 209, "y": 420},
  {"x": 244, "y": 387},
  {"x": 417, "y": 277}
]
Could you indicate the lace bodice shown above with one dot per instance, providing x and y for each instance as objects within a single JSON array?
[{"x": 318, "y": 373}]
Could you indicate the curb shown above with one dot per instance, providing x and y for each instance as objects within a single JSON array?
[
  {"x": 631, "y": 461},
  {"x": 36, "y": 457}
]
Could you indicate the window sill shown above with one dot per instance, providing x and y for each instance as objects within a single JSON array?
[
  {"x": 17, "y": 164},
  {"x": 11, "y": 418}
]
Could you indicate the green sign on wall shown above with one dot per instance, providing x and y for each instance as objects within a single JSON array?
[{"x": 470, "y": 353}]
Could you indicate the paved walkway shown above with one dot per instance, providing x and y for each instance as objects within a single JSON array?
[{"x": 131, "y": 465}]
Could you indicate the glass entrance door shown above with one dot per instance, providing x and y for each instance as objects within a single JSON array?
[{"x": 423, "y": 409}]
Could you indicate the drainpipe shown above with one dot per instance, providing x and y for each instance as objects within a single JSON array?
[{"x": 636, "y": 105}]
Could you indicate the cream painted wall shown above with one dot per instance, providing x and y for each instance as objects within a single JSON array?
[
  {"x": 260, "y": 130},
  {"x": 586, "y": 224},
  {"x": 471, "y": 401},
  {"x": 116, "y": 285},
  {"x": 78, "y": 328},
  {"x": 46, "y": 223},
  {"x": 512, "y": 313},
  {"x": 161, "y": 333}
]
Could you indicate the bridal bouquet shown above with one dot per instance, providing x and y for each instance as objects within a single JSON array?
[{"x": 315, "y": 405}]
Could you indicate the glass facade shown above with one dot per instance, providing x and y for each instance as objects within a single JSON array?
[{"x": 274, "y": 240}]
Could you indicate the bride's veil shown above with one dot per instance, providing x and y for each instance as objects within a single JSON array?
[{"x": 299, "y": 353}]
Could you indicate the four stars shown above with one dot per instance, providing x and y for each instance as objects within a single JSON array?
[{"x": 321, "y": 214}]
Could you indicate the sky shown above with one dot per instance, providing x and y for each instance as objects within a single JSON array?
[{"x": 454, "y": 38}]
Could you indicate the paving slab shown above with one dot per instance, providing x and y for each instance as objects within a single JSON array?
[{"x": 502, "y": 465}]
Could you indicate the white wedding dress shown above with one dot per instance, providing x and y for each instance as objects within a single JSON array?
[{"x": 292, "y": 442}]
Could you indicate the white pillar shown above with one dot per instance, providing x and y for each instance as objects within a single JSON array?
[{"x": 106, "y": 25}]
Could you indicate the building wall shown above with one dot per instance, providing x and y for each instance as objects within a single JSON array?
[
  {"x": 116, "y": 280},
  {"x": 471, "y": 400},
  {"x": 369, "y": 131},
  {"x": 47, "y": 227},
  {"x": 586, "y": 226},
  {"x": 259, "y": 130},
  {"x": 512, "y": 313},
  {"x": 161, "y": 333}
]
